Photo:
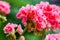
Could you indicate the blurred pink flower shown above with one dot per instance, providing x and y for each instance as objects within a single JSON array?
[
  {"x": 34, "y": 14},
  {"x": 19, "y": 29},
  {"x": 14, "y": 25},
  {"x": 53, "y": 37},
  {"x": 40, "y": 20},
  {"x": 42, "y": 5},
  {"x": 53, "y": 16},
  {"x": 52, "y": 13},
  {"x": 9, "y": 28},
  {"x": 43, "y": 13},
  {"x": 4, "y": 7},
  {"x": 22, "y": 38}
]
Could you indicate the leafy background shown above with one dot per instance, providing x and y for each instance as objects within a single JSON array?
[{"x": 15, "y": 5}]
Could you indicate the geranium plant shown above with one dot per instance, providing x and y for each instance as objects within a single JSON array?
[{"x": 32, "y": 20}]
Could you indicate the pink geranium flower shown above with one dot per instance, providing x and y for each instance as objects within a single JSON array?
[
  {"x": 34, "y": 14},
  {"x": 53, "y": 37},
  {"x": 42, "y": 5},
  {"x": 13, "y": 25},
  {"x": 52, "y": 13},
  {"x": 19, "y": 29},
  {"x": 22, "y": 38},
  {"x": 43, "y": 13},
  {"x": 4, "y": 7},
  {"x": 10, "y": 28}
]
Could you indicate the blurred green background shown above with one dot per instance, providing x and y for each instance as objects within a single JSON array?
[{"x": 15, "y": 5}]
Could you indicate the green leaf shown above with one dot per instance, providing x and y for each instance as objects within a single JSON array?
[{"x": 31, "y": 36}]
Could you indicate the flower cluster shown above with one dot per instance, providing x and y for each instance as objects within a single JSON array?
[
  {"x": 53, "y": 37},
  {"x": 52, "y": 13},
  {"x": 33, "y": 17},
  {"x": 4, "y": 9},
  {"x": 41, "y": 16},
  {"x": 10, "y": 29}
]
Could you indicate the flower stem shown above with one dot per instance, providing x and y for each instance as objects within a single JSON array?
[
  {"x": 2, "y": 19},
  {"x": 43, "y": 35},
  {"x": 11, "y": 36},
  {"x": 24, "y": 30}
]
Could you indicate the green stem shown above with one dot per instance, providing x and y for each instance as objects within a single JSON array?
[
  {"x": 43, "y": 35},
  {"x": 35, "y": 36},
  {"x": 2, "y": 18},
  {"x": 11, "y": 36},
  {"x": 24, "y": 30}
]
